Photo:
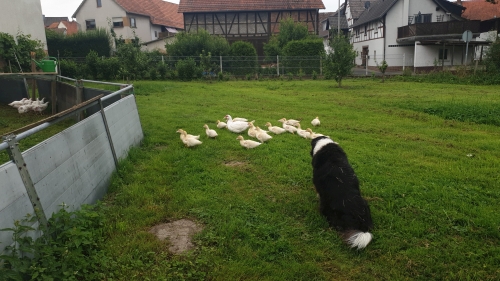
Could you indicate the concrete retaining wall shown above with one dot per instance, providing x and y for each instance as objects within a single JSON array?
[{"x": 73, "y": 167}]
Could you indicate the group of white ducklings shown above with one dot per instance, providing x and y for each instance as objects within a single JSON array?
[{"x": 238, "y": 125}]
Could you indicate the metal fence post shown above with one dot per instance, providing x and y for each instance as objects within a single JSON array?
[
  {"x": 79, "y": 98},
  {"x": 103, "y": 114},
  {"x": 320, "y": 65},
  {"x": 220, "y": 64},
  {"x": 17, "y": 157},
  {"x": 278, "y": 64},
  {"x": 404, "y": 62}
]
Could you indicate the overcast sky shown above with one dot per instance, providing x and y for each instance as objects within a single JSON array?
[{"x": 66, "y": 8}]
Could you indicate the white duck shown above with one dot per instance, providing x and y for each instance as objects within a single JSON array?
[
  {"x": 210, "y": 133},
  {"x": 221, "y": 125},
  {"x": 252, "y": 131},
  {"x": 315, "y": 122},
  {"x": 313, "y": 135},
  {"x": 248, "y": 143},
  {"x": 40, "y": 107},
  {"x": 288, "y": 128},
  {"x": 235, "y": 126},
  {"x": 303, "y": 133},
  {"x": 240, "y": 119},
  {"x": 188, "y": 141},
  {"x": 275, "y": 129},
  {"x": 17, "y": 104},
  {"x": 23, "y": 109},
  {"x": 262, "y": 135}
]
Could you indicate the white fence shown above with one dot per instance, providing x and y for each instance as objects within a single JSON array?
[{"x": 72, "y": 168}]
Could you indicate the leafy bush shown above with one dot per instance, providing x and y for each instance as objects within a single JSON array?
[
  {"x": 92, "y": 61},
  {"x": 186, "y": 69},
  {"x": 70, "y": 68},
  {"x": 243, "y": 58},
  {"x": 25, "y": 45},
  {"x": 70, "y": 249},
  {"x": 108, "y": 68},
  {"x": 134, "y": 63},
  {"x": 289, "y": 31},
  {"x": 192, "y": 44},
  {"x": 492, "y": 58},
  {"x": 304, "y": 55}
]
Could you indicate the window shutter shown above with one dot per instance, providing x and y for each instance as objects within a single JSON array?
[{"x": 126, "y": 21}]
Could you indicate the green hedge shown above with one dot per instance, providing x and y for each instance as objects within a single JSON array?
[
  {"x": 303, "y": 56},
  {"x": 79, "y": 44}
]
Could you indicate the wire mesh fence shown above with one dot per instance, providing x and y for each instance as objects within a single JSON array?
[{"x": 252, "y": 65}]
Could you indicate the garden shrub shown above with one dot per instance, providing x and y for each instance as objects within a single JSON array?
[
  {"x": 304, "y": 55},
  {"x": 192, "y": 44},
  {"x": 243, "y": 58},
  {"x": 25, "y": 45},
  {"x": 186, "y": 69},
  {"x": 108, "y": 68}
]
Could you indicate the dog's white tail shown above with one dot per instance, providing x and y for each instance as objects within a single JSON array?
[{"x": 359, "y": 239}]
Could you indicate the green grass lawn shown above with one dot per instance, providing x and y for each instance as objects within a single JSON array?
[{"x": 427, "y": 157}]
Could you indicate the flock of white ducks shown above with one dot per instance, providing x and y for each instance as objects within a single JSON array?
[
  {"x": 238, "y": 125},
  {"x": 26, "y": 105}
]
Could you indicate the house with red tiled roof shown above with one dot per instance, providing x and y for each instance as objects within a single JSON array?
[
  {"x": 152, "y": 21},
  {"x": 254, "y": 21},
  {"x": 64, "y": 27},
  {"x": 480, "y": 10}
]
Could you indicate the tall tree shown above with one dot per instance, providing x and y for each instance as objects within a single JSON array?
[{"x": 340, "y": 61}]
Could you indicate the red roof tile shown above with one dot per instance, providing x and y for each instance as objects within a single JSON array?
[
  {"x": 186, "y": 6},
  {"x": 480, "y": 10},
  {"x": 161, "y": 12}
]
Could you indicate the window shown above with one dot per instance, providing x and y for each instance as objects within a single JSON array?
[
  {"x": 132, "y": 23},
  {"x": 99, "y": 4},
  {"x": 423, "y": 18},
  {"x": 90, "y": 24},
  {"x": 118, "y": 22},
  {"x": 156, "y": 34},
  {"x": 441, "y": 53}
]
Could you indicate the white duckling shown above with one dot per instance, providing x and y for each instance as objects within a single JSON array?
[
  {"x": 289, "y": 121},
  {"x": 252, "y": 131},
  {"x": 248, "y": 143},
  {"x": 235, "y": 126},
  {"x": 275, "y": 129},
  {"x": 303, "y": 133},
  {"x": 221, "y": 125},
  {"x": 188, "y": 141},
  {"x": 313, "y": 135},
  {"x": 210, "y": 133},
  {"x": 288, "y": 128},
  {"x": 315, "y": 122},
  {"x": 262, "y": 135},
  {"x": 184, "y": 134}
]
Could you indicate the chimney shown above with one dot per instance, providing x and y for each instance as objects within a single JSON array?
[{"x": 459, "y": 2}]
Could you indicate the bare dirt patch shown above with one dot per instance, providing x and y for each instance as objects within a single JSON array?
[
  {"x": 234, "y": 163},
  {"x": 179, "y": 234}
]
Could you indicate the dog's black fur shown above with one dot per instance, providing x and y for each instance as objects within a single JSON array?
[{"x": 338, "y": 188}]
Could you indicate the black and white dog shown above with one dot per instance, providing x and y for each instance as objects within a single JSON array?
[{"x": 339, "y": 195}]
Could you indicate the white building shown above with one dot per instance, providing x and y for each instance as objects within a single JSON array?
[
  {"x": 23, "y": 16},
  {"x": 148, "y": 20},
  {"x": 421, "y": 34}
]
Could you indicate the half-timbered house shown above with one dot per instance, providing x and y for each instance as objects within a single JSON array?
[{"x": 254, "y": 21}]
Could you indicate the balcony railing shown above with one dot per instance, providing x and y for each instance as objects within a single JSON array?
[{"x": 450, "y": 29}]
